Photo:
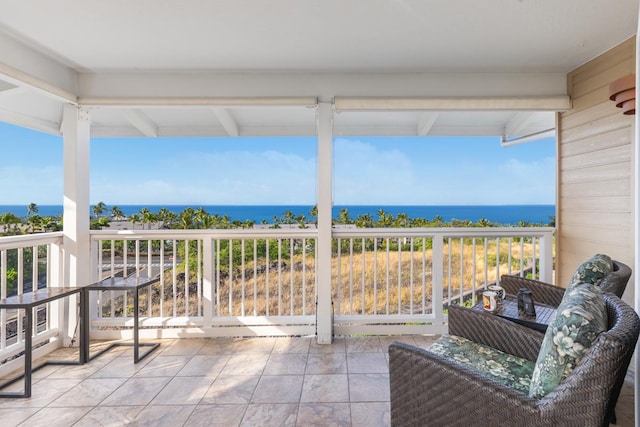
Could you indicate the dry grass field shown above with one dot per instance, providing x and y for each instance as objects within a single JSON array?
[{"x": 363, "y": 283}]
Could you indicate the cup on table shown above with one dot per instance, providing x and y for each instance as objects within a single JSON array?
[
  {"x": 490, "y": 300},
  {"x": 499, "y": 290}
]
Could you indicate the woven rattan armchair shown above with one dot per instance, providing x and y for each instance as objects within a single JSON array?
[
  {"x": 545, "y": 293},
  {"x": 430, "y": 390}
]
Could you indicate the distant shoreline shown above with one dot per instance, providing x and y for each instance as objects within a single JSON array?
[{"x": 501, "y": 214}]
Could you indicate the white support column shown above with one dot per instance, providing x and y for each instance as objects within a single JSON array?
[
  {"x": 324, "y": 310},
  {"x": 76, "y": 241}
]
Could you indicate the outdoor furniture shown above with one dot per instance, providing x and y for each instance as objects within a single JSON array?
[
  {"x": 28, "y": 302},
  {"x": 614, "y": 282},
  {"x": 128, "y": 283},
  {"x": 508, "y": 309},
  {"x": 429, "y": 389}
]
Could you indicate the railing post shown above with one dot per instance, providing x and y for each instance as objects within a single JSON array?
[
  {"x": 324, "y": 309},
  {"x": 207, "y": 281},
  {"x": 546, "y": 257},
  {"x": 437, "y": 277}
]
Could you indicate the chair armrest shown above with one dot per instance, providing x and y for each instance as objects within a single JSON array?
[
  {"x": 544, "y": 293},
  {"x": 429, "y": 390},
  {"x": 494, "y": 331}
]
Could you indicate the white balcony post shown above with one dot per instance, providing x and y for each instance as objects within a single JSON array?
[
  {"x": 546, "y": 258},
  {"x": 76, "y": 239},
  {"x": 207, "y": 280},
  {"x": 324, "y": 309}
]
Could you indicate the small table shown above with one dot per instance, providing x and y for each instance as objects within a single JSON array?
[
  {"x": 509, "y": 310},
  {"x": 28, "y": 301},
  {"x": 128, "y": 283}
]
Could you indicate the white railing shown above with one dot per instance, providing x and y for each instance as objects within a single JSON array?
[
  {"x": 386, "y": 280},
  {"x": 263, "y": 282},
  {"x": 28, "y": 262}
]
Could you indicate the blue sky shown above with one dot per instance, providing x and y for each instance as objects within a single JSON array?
[{"x": 210, "y": 171}]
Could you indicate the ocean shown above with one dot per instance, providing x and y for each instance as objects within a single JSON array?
[{"x": 500, "y": 214}]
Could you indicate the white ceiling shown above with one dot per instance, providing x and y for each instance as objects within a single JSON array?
[{"x": 162, "y": 67}]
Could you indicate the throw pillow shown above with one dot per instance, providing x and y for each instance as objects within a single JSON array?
[
  {"x": 592, "y": 271},
  {"x": 580, "y": 318}
]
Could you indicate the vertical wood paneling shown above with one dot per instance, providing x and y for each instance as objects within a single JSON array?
[{"x": 595, "y": 146}]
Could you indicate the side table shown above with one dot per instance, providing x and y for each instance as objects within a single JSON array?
[
  {"x": 509, "y": 310},
  {"x": 27, "y": 302},
  {"x": 128, "y": 283}
]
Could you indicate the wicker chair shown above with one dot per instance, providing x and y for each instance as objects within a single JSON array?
[
  {"x": 430, "y": 390},
  {"x": 545, "y": 293}
]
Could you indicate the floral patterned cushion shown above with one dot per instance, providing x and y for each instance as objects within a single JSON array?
[
  {"x": 502, "y": 367},
  {"x": 592, "y": 271},
  {"x": 580, "y": 318}
]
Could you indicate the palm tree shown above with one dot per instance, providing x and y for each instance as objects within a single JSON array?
[
  {"x": 99, "y": 209},
  {"x": 201, "y": 216},
  {"x": 32, "y": 209},
  {"x": 344, "y": 217},
  {"x": 147, "y": 217},
  {"x": 117, "y": 214},
  {"x": 34, "y": 222},
  {"x": 134, "y": 218},
  {"x": 10, "y": 222},
  {"x": 186, "y": 218}
]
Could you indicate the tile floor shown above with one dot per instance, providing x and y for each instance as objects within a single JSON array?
[{"x": 225, "y": 382}]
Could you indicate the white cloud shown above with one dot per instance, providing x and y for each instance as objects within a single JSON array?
[
  {"x": 23, "y": 185},
  {"x": 231, "y": 177}
]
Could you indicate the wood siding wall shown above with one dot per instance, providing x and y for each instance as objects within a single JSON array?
[{"x": 595, "y": 168}]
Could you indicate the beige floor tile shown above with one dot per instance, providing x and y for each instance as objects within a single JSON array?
[
  {"x": 273, "y": 414},
  {"x": 89, "y": 392},
  {"x": 176, "y": 348},
  {"x": 43, "y": 393},
  {"x": 263, "y": 345},
  {"x": 219, "y": 346},
  {"x": 246, "y": 364},
  {"x": 371, "y": 414},
  {"x": 278, "y": 389},
  {"x": 324, "y": 415},
  {"x": 231, "y": 389},
  {"x": 369, "y": 387},
  {"x": 202, "y": 365},
  {"x": 183, "y": 391},
  {"x": 366, "y": 363},
  {"x": 216, "y": 416},
  {"x": 325, "y": 388},
  {"x": 364, "y": 345},
  {"x": 120, "y": 367},
  {"x": 137, "y": 391},
  {"x": 163, "y": 416},
  {"x": 11, "y": 417},
  {"x": 337, "y": 346},
  {"x": 163, "y": 366},
  {"x": 292, "y": 345},
  {"x": 327, "y": 363},
  {"x": 109, "y": 416},
  {"x": 286, "y": 364},
  {"x": 56, "y": 417}
]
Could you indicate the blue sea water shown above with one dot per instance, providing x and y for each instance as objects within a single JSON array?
[{"x": 500, "y": 214}]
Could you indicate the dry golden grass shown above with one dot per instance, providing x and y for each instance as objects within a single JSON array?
[{"x": 365, "y": 283}]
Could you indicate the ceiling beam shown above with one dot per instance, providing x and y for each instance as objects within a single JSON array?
[
  {"x": 142, "y": 122},
  {"x": 29, "y": 122},
  {"x": 542, "y": 103},
  {"x": 236, "y": 102},
  {"x": 425, "y": 123},
  {"x": 227, "y": 121}
]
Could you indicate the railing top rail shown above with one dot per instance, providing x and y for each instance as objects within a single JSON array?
[
  {"x": 26, "y": 240},
  {"x": 278, "y": 233},
  {"x": 239, "y": 233},
  {"x": 445, "y": 232}
]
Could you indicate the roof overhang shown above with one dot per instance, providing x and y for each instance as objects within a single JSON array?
[{"x": 236, "y": 68}]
